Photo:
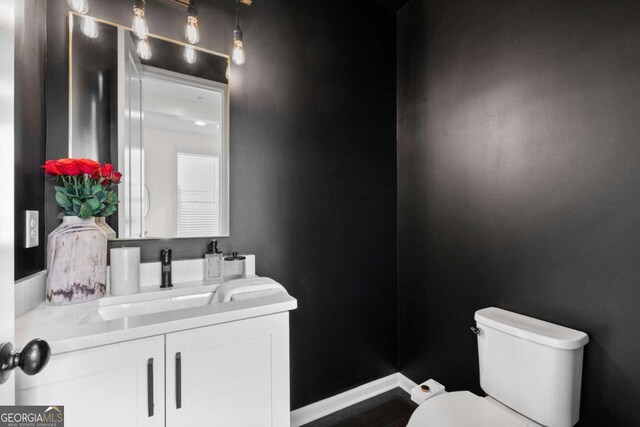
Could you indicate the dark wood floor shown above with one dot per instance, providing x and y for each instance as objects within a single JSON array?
[{"x": 390, "y": 409}]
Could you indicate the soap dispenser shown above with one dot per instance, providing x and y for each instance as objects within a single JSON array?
[{"x": 212, "y": 261}]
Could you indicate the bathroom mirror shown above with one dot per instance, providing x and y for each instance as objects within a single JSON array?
[{"x": 163, "y": 122}]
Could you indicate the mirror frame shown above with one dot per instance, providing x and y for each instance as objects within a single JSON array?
[{"x": 226, "y": 112}]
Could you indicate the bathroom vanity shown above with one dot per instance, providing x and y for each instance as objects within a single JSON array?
[{"x": 175, "y": 357}]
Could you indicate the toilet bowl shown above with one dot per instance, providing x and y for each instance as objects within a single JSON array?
[
  {"x": 531, "y": 371},
  {"x": 465, "y": 409}
]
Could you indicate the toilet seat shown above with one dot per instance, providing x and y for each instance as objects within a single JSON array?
[{"x": 463, "y": 409}]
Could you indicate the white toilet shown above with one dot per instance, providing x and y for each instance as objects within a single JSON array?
[{"x": 531, "y": 371}]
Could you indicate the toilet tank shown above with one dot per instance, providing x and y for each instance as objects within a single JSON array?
[{"x": 532, "y": 366}]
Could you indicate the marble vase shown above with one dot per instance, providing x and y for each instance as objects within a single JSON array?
[{"x": 76, "y": 262}]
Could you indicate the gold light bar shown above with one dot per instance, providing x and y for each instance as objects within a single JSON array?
[{"x": 186, "y": 2}]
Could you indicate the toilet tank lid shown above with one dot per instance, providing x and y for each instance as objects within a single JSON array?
[{"x": 531, "y": 329}]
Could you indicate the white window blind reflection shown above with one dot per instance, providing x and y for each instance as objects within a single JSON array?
[{"x": 198, "y": 201}]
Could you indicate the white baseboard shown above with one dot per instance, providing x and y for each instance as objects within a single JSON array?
[
  {"x": 340, "y": 401},
  {"x": 405, "y": 383}
]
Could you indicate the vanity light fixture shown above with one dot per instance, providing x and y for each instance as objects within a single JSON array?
[
  {"x": 238, "y": 49},
  {"x": 143, "y": 49},
  {"x": 139, "y": 25},
  {"x": 189, "y": 54},
  {"x": 192, "y": 33},
  {"x": 89, "y": 27},
  {"x": 79, "y": 6}
]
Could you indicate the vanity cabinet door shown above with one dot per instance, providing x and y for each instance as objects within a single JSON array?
[
  {"x": 233, "y": 374},
  {"x": 113, "y": 385}
]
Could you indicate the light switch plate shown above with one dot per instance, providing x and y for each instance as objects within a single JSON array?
[{"x": 31, "y": 229}]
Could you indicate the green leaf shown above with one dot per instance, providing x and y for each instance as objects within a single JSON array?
[
  {"x": 85, "y": 211},
  {"x": 76, "y": 210},
  {"x": 62, "y": 200},
  {"x": 96, "y": 189},
  {"x": 76, "y": 201},
  {"x": 109, "y": 210},
  {"x": 93, "y": 204}
]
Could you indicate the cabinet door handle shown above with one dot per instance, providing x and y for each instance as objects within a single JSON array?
[
  {"x": 150, "y": 387},
  {"x": 178, "y": 380}
]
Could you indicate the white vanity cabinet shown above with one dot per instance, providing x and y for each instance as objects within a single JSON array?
[
  {"x": 228, "y": 374},
  {"x": 113, "y": 385},
  {"x": 233, "y": 374}
]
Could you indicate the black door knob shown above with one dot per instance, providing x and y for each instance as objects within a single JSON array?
[
  {"x": 34, "y": 356},
  {"x": 32, "y": 359}
]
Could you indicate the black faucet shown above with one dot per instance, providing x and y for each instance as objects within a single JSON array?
[{"x": 165, "y": 258}]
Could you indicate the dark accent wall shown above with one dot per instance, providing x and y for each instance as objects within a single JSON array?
[
  {"x": 30, "y": 136},
  {"x": 170, "y": 56},
  {"x": 313, "y": 168},
  {"x": 392, "y": 4},
  {"x": 519, "y": 184}
]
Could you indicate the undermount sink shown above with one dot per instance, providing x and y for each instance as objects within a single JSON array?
[{"x": 139, "y": 308}]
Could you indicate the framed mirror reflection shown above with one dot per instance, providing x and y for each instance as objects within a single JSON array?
[{"x": 160, "y": 114}]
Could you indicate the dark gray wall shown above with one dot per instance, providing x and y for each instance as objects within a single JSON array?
[
  {"x": 519, "y": 184},
  {"x": 313, "y": 168},
  {"x": 29, "y": 142}
]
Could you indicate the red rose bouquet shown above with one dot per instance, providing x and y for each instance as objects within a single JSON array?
[{"x": 87, "y": 188}]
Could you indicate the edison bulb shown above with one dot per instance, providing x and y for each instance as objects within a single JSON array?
[
  {"x": 189, "y": 54},
  {"x": 191, "y": 33},
  {"x": 139, "y": 25},
  {"x": 89, "y": 27},
  {"x": 79, "y": 6},
  {"x": 143, "y": 49},
  {"x": 238, "y": 53}
]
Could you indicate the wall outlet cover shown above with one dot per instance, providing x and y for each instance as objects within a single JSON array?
[{"x": 31, "y": 229}]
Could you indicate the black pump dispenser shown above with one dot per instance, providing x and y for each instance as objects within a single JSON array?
[
  {"x": 212, "y": 247},
  {"x": 212, "y": 261}
]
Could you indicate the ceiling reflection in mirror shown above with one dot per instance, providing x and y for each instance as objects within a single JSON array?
[{"x": 162, "y": 121}]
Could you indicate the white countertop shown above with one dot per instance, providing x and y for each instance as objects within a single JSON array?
[{"x": 63, "y": 329}]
